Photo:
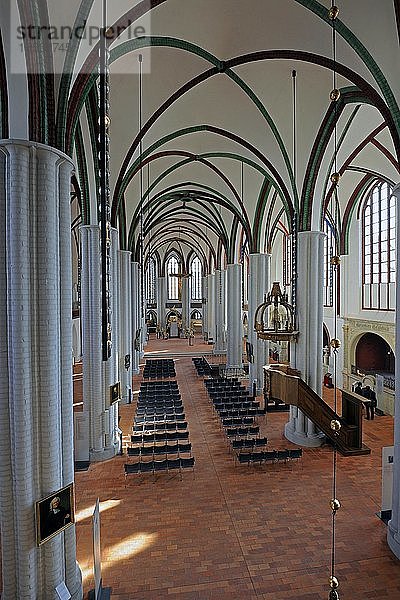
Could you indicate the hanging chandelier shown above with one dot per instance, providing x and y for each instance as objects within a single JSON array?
[{"x": 274, "y": 318}]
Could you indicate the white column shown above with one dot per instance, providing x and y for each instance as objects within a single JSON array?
[
  {"x": 306, "y": 355},
  {"x": 91, "y": 334},
  {"x": 142, "y": 312},
  {"x": 220, "y": 309},
  {"x": 211, "y": 308},
  {"x": 35, "y": 366},
  {"x": 393, "y": 534},
  {"x": 186, "y": 297},
  {"x": 125, "y": 325},
  {"x": 73, "y": 577},
  {"x": 96, "y": 374},
  {"x": 111, "y": 366},
  {"x": 258, "y": 286},
  {"x": 161, "y": 301},
  {"x": 234, "y": 319},
  {"x": 135, "y": 316},
  {"x": 204, "y": 316}
]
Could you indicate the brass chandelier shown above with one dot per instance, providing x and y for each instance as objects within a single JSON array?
[{"x": 274, "y": 319}]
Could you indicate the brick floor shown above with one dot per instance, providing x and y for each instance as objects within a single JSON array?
[{"x": 233, "y": 532}]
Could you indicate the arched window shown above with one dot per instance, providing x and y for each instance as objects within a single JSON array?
[
  {"x": 196, "y": 276},
  {"x": 379, "y": 248},
  {"x": 329, "y": 247},
  {"x": 150, "y": 281},
  {"x": 173, "y": 274}
]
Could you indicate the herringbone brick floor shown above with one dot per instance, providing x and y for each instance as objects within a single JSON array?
[{"x": 232, "y": 532}]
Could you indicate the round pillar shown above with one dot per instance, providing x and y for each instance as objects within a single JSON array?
[
  {"x": 234, "y": 318},
  {"x": 258, "y": 286},
  {"x": 211, "y": 308},
  {"x": 135, "y": 317},
  {"x": 35, "y": 366},
  {"x": 220, "y": 308},
  {"x": 186, "y": 297},
  {"x": 125, "y": 325},
  {"x": 204, "y": 317},
  {"x": 306, "y": 354},
  {"x": 161, "y": 302}
]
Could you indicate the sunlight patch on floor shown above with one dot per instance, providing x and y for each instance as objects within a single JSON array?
[
  {"x": 121, "y": 551},
  {"x": 85, "y": 513}
]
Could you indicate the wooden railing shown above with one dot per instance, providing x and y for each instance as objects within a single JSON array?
[{"x": 286, "y": 384}]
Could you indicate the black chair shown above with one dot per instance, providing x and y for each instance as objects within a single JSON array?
[
  {"x": 187, "y": 463},
  {"x": 131, "y": 468},
  {"x": 260, "y": 442},
  {"x": 282, "y": 455},
  {"x": 257, "y": 457},
  {"x": 231, "y": 432},
  {"x": 133, "y": 451},
  {"x": 173, "y": 463},
  {"x": 295, "y": 453},
  {"x": 160, "y": 465},
  {"x": 270, "y": 456},
  {"x": 244, "y": 458},
  {"x": 184, "y": 448}
]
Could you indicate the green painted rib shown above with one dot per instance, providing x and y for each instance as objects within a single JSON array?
[
  {"x": 353, "y": 41},
  {"x": 66, "y": 77},
  {"x": 83, "y": 175},
  {"x": 339, "y": 145},
  {"x": 158, "y": 41},
  {"x": 349, "y": 220}
]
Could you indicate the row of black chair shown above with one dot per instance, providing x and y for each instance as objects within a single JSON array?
[
  {"x": 218, "y": 406},
  {"x": 159, "y": 436},
  {"x": 222, "y": 382},
  {"x": 161, "y": 402},
  {"x": 154, "y": 466},
  {"x": 239, "y": 412},
  {"x": 157, "y": 426},
  {"x": 152, "y": 411},
  {"x": 159, "y": 386},
  {"x": 237, "y": 421},
  {"x": 256, "y": 442},
  {"x": 240, "y": 432},
  {"x": 148, "y": 385},
  {"x": 158, "y": 419},
  {"x": 202, "y": 367},
  {"x": 251, "y": 458},
  {"x": 243, "y": 412},
  {"x": 160, "y": 449},
  {"x": 159, "y": 369}
]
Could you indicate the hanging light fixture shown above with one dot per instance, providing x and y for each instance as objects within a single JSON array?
[
  {"x": 274, "y": 318},
  {"x": 335, "y": 342},
  {"x": 104, "y": 183}
]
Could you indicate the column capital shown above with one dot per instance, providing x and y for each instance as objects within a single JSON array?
[
  {"x": 14, "y": 142},
  {"x": 396, "y": 191},
  {"x": 311, "y": 234},
  {"x": 125, "y": 252}
]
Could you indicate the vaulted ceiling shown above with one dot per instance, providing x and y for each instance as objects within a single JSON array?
[{"x": 218, "y": 161}]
